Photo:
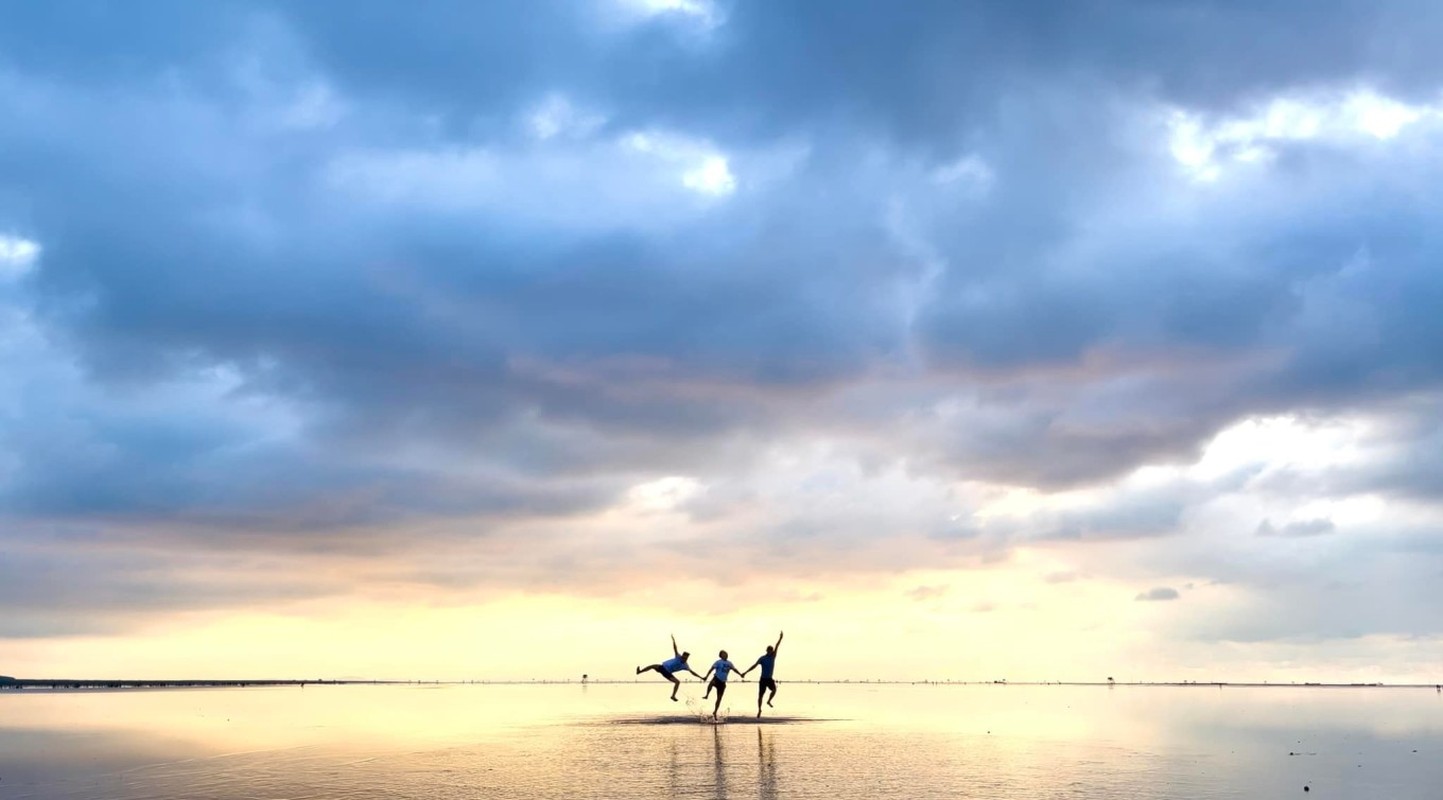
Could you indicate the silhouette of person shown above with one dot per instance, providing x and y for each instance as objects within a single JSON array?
[
  {"x": 677, "y": 663},
  {"x": 722, "y": 668},
  {"x": 767, "y": 661}
]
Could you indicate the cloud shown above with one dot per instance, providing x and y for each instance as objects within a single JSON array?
[
  {"x": 79, "y": 581},
  {"x": 17, "y": 256},
  {"x": 920, "y": 593},
  {"x": 1254, "y": 138},
  {"x": 1157, "y": 593},
  {"x": 1306, "y": 527},
  {"x": 862, "y": 292}
]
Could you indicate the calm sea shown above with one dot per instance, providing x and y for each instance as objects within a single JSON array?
[{"x": 623, "y": 741}]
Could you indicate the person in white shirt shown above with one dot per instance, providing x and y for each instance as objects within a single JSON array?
[{"x": 722, "y": 668}]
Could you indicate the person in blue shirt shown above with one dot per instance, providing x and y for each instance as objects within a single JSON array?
[
  {"x": 677, "y": 663},
  {"x": 767, "y": 662},
  {"x": 722, "y": 667}
]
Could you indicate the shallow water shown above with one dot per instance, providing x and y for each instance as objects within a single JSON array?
[{"x": 825, "y": 741}]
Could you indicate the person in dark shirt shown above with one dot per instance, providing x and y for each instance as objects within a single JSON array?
[
  {"x": 767, "y": 662},
  {"x": 677, "y": 663}
]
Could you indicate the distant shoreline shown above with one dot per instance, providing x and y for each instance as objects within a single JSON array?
[{"x": 103, "y": 684}]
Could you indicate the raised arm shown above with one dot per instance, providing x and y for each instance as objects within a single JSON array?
[
  {"x": 677, "y": 652},
  {"x": 778, "y": 645}
]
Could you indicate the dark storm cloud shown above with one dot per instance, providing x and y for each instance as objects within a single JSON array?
[
  {"x": 916, "y": 74},
  {"x": 419, "y": 307}
]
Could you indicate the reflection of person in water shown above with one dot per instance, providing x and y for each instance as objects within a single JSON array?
[
  {"x": 719, "y": 766},
  {"x": 722, "y": 668},
  {"x": 767, "y": 662},
  {"x": 677, "y": 663},
  {"x": 766, "y": 768}
]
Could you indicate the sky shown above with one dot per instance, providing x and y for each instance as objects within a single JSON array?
[{"x": 454, "y": 340}]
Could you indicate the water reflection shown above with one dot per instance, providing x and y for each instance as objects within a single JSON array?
[
  {"x": 676, "y": 784},
  {"x": 525, "y": 742},
  {"x": 766, "y": 768},
  {"x": 719, "y": 768}
]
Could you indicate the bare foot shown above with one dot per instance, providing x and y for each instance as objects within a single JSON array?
[
  {"x": 769, "y": 704},
  {"x": 673, "y": 698},
  {"x": 638, "y": 670}
]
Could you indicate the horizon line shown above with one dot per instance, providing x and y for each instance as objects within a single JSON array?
[{"x": 91, "y": 683}]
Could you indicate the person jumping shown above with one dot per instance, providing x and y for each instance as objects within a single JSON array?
[
  {"x": 675, "y": 664},
  {"x": 767, "y": 662},
  {"x": 722, "y": 667}
]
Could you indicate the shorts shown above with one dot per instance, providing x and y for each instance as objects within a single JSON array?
[
  {"x": 665, "y": 673},
  {"x": 765, "y": 684},
  {"x": 719, "y": 685}
]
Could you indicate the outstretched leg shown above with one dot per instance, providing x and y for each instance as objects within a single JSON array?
[
  {"x": 721, "y": 689},
  {"x": 660, "y": 670},
  {"x": 771, "y": 684}
]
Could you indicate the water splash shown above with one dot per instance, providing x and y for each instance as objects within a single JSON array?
[{"x": 700, "y": 709}]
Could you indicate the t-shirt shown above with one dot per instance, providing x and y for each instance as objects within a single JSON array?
[
  {"x": 767, "y": 662},
  {"x": 674, "y": 665},
  {"x": 722, "y": 667}
]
